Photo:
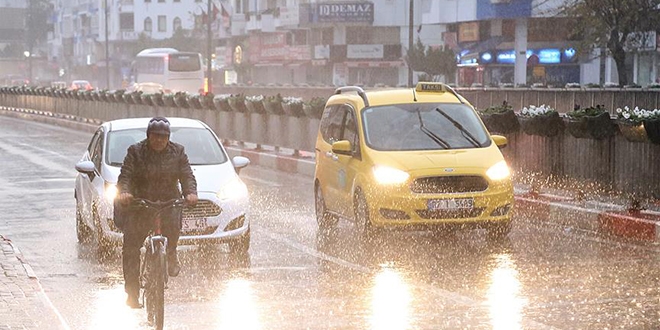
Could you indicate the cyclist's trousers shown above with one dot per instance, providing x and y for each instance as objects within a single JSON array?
[{"x": 134, "y": 234}]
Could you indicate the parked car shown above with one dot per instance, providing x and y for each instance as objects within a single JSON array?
[
  {"x": 81, "y": 84},
  {"x": 218, "y": 217},
  {"x": 409, "y": 159}
]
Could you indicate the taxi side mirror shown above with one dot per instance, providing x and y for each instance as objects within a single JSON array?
[
  {"x": 500, "y": 141},
  {"x": 342, "y": 147}
]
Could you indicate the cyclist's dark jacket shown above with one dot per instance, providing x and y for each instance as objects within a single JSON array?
[{"x": 155, "y": 175}]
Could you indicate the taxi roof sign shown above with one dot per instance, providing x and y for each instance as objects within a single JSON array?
[{"x": 433, "y": 87}]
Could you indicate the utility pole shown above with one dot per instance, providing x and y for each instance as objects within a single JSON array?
[
  {"x": 31, "y": 39},
  {"x": 410, "y": 39},
  {"x": 107, "y": 51},
  {"x": 209, "y": 52}
]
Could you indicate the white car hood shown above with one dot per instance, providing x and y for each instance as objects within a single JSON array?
[{"x": 210, "y": 178}]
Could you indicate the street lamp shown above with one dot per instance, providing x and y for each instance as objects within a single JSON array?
[
  {"x": 29, "y": 59},
  {"x": 209, "y": 66},
  {"x": 411, "y": 18}
]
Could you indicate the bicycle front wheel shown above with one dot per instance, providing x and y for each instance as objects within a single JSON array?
[{"x": 155, "y": 291}]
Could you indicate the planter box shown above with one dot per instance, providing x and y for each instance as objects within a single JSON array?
[
  {"x": 221, "y": 104},
  {"x": 505, "y": 122},
  {"x": 591, "y": 127},
  {"x": 274, "y": 108},
  {"x": 237, "y": 104},
  {"x": 632, "y": 132},
  {"x": 293, "y": 109},
  {"x": 544, "y": 125},
  {"x": 255, "y": 107},
  {"x": 652, "y": 128},
  {"x": 312, "y": 112}
]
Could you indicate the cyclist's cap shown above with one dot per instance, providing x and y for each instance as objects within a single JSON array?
[{"x": 158, "y": 125}]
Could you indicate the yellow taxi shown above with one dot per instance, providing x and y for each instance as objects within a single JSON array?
[{"x": 410, "y": 159}]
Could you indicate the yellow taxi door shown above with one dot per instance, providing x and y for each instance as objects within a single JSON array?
[
  {"x": 348, "y": 165},
  {"x": 327, "y": 167}
]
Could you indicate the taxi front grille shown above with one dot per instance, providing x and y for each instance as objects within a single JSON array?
[
  {"x": 449, "y": 184},
  {"x": 450, "y": 214},
  {"x": 203, "y": 209}
]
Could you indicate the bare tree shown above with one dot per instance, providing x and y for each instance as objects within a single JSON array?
[
  {"x": 433, "y": 61},
  {"x": 617, "y": 25}
]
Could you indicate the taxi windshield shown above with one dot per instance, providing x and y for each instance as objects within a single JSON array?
[{"x": 423, "y": 126}]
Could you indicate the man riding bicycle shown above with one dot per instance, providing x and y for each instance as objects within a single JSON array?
[{"x": 152, "y": 170}]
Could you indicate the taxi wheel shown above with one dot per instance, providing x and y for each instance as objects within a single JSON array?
[
  {"x": 323, "y": 217},
  {"x": 362, "y": 218}
]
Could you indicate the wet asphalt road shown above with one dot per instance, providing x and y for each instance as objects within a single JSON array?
[{"x": 543, "y": 277}]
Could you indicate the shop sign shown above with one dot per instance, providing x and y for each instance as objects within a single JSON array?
[
  {"x": 345, "y": 12},
  {"x": 364, "y": 51},
  {"x": 640, "y": 41},
  {"x": 468, "y": 32},
  {"x": 321, "y": 51}
]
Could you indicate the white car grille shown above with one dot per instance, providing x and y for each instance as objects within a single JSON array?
[{"x": 203, "y": 209}]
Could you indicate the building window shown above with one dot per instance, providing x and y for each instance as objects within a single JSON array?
[
  {"x": 161, "y": 0},
  {"x": 162, "y": 23},
  {"x": 176, "y": 24},
  {"x": 148, "y": 25},
  {"x": 126, "y": 22},
  {"x": 147, "y": 1}
]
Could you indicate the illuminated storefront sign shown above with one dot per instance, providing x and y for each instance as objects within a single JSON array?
[
  {"x": 545, "y": 56},
  {"x": 344, "y": 12}
]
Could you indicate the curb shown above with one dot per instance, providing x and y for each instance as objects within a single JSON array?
[{"x": 609, "y": 219}]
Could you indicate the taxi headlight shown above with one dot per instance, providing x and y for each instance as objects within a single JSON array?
[
  {"x": 499, "y": 171},
  {"x": 110, "y": 192},
  {"x": 235, "y": 188},
  {"x": 389, "y": 175}
]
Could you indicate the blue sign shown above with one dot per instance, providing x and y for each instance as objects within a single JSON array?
[
  {"x": 549, "y": 56},
  {"x": 498, "y": 9}
]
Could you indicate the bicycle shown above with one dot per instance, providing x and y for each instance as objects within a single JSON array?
[{"x": 153, "y": 268}]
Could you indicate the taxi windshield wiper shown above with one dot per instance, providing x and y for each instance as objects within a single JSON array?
[
  {"x": 466, "y": 134},
  {"x": 430, "y": 134}
]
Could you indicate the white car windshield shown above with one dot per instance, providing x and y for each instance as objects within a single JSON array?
[
  {"x": 201, "y": 146},
  {"x": 423, "y": 126}
]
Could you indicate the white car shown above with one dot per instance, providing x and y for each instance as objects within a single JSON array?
[{"x": 218, "y": 217}]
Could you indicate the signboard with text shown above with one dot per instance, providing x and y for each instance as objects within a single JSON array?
[{"x": 343, "y": 12}]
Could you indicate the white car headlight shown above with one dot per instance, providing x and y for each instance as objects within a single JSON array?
[
  {"x": 110, "y": 192},
  {"x": 235, "y": 188},
  {"x": 499, "y": 171},
  {"x": 389, "y": 175}
]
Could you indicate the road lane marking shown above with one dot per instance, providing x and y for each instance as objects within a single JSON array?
[
  {"x": 37, "y": 159},
  {"x": 263, "y": 181}
]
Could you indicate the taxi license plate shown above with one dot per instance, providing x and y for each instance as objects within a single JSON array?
[
  {"x": 193, "y": 224},
  {"x": 450, "y": 204}
]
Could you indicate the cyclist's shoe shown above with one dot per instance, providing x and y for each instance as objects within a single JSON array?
[
  {"x": 133, "y": 302},
  {"x": 173, "y": 267}
]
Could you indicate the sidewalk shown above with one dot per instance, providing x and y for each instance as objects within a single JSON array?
[{"x": 23, "y": 305}]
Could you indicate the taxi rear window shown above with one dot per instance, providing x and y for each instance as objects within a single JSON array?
[{"x": 423, "y": 126}]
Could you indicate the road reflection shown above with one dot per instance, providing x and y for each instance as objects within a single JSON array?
[
  {"x": 504, "y": 300},
  {"x": 110, "y": 313},
  {"x": 238, "y": 307},
  {"x": 390, "y": 301}
]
